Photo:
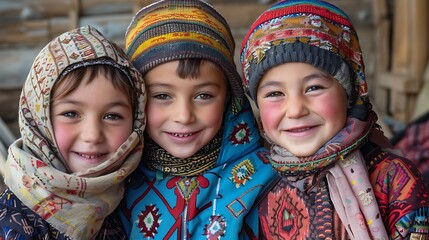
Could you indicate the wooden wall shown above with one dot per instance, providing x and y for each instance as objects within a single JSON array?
[{"x": 27, "y": 25}]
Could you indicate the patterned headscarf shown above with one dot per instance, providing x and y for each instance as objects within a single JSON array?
[
  {"x": 74, "y": 203},
  {"x": 322, "y": 35}
]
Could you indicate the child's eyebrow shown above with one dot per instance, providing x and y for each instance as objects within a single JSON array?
[
  {"x": 166, "y": 85},
  {"x": 65, "y": 101},
  {"x": 119, "y": 103},
  {"x": 158, "y": 85},
  {"x": 319, "y": 75},
  {"x": 209, "y": 84},
  {"x": 269, "y": 83},
  {"x": 76, "y": 102}
]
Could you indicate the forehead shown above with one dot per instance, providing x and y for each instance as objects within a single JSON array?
[
  {"x": 166, "y": 75},
  {"x": 293, "y": 71}
]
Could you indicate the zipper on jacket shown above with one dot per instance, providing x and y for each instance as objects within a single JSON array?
[
  {"x": 185, "y": 222},
  {"x": 185, "y": 215}
]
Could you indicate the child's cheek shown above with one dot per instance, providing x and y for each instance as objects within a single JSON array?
[
  {"x": 154, "y": 115},
  {"x": 63, "y": 139},
  {"x": 333, "y": 109},
  {"x": 270, "y": 116}
]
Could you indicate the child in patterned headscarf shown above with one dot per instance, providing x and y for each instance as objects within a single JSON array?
[
  {"x": 81, "y": 117},
  {"x": 303, "y": 67},
  {"x": 203, "y": 163}
]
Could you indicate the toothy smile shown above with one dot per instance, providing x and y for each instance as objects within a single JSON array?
[
  {"x": 300, "y": 129},
  {"x": 89, "y": 156},
  {"x": 181, "y": 135}
]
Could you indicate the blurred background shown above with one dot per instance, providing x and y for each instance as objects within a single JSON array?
[{"x": 394, "y": 36}]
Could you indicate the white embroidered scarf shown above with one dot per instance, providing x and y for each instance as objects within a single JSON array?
[{"x": 74, "y": 203}]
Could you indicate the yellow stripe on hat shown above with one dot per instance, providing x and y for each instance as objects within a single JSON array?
[
  {"x": 195, "y": 15},
  {"x": 180, "y": 37}
]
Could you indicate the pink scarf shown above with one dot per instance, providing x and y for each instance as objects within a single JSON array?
[{"x": 348, "y": 180}]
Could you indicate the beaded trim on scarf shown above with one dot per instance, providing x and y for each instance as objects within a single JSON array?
[{"x": 157, "y": 158}]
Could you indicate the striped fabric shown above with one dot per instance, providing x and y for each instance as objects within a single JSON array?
[
  {"x": 179, "y": 29},
  {"x": 313, "y": 32},
  {"x": 414, "y": 143}
]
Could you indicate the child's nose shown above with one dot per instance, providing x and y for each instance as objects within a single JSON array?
[
  {"x": 183, "y": 112},
  {"x": 92, "y": 132},
  {"x": 296, "y": 107}
]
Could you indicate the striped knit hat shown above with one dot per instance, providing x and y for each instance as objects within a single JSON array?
[
  {"x": 309, "y": 31},
  {"x": 179, "y": 29}
]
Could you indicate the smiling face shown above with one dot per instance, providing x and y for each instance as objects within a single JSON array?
[
  {"x": 183, "y": 115},
  {"x": 301, "y": 107},
  {"x": 91, "y": 122}
]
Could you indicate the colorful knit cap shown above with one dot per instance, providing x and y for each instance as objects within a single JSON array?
[
  {"x": 309, "y": 31},
  {"x": 181, "y": 29}
]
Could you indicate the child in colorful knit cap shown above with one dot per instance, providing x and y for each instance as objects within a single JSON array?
[
  {"x": 303, "y": 67},
  {"x": 203, "y": 168},
  {"x": 81, "y": 117}
]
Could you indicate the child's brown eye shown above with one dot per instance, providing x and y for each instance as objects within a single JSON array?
[
  {"x": 161, "y": 96},
  {"x": 113, "y": 116},
  {"x": 274, "y": 94},
  {"x": 70, "y": 114},
  {"x": 314, "y": 88},
  {"x": 204, "y": 96}
]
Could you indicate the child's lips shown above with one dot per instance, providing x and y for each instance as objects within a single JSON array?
[
  {"x": 183, "y": 137},
  {"x": 301, "y": 130},
  {"x": 91, "y": 157}
]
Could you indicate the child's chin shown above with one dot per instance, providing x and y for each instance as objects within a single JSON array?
[
  {"x": 301, "y": 153},
  {"x": 182, "y": 155}
]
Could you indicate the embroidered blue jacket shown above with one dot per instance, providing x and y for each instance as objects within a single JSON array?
[{"x": 218, "y": 204}]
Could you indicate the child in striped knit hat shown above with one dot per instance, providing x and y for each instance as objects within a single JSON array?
[
  {"x": 303, "y": 67},
  {"x": 203, "y": 168}
]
